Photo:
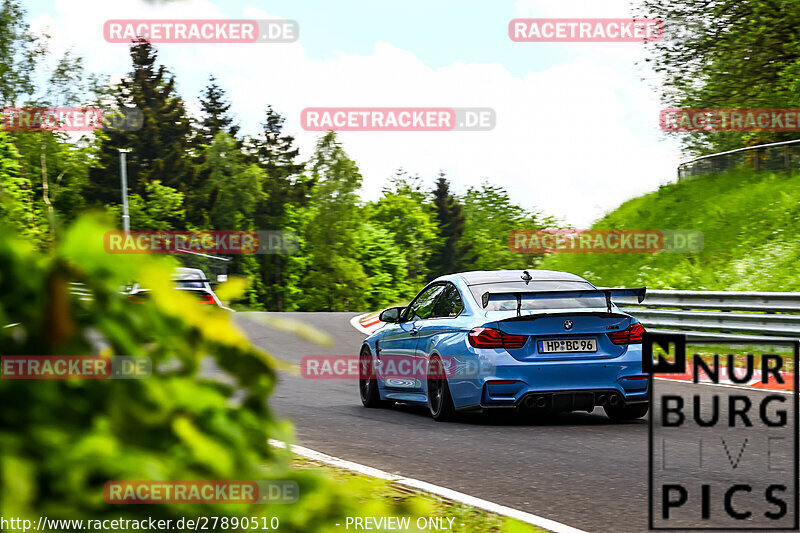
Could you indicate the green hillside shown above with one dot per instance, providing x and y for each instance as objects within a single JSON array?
[{"x": 751, "y": 227}]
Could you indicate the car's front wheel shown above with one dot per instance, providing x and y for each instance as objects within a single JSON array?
[
  {"x": 367, "y": 382},
  {"x": 627, "y": 412},
  {"x": 440, "y": 403}
]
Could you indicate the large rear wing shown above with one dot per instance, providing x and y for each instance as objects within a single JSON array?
[{"x": 521, "y": 296}]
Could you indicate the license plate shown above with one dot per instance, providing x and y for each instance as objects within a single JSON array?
[{"x": 568, "y": 345}]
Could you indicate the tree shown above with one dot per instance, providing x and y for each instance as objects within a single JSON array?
[
  {"x": 283, "y": 187},
  {"x": 161, "y": 209},
  {"x": 233, "y": 189},
  {"x": 335, "y": 279},
  {"x": 727, "y": 54},
  {"x": 216, "y": 115},
  {"x": 384, "y": 264},
  {"x": 405, "y": 212},
  {"x": 50, "y": 167},
  {"x": 489, "y": 218},
  {"x": 451, "y": 255},
  {"x": 159, "y": 149},
  {"x": 16, "y": 195},
  {"x": 20, "y": 52}
]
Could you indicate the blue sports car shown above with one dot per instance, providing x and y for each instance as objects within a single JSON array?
[{"x": 538, "y": 341}]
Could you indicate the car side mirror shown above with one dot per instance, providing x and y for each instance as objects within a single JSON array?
[{"x": 391, "y": 315}]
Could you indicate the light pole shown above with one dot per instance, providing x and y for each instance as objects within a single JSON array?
[{"x": 123, "y": 172}]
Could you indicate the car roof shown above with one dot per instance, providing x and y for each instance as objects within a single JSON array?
[
  {"x": 480, "y": 277},
  {"x": 186, "y": 274}
]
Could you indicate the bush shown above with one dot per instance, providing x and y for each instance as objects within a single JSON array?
[{"x": 62, "y": 440}]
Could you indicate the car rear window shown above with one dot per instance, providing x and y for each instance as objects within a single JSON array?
[
  {"x": 189, "y": 284},
  {"x": 536, "y": 286}
]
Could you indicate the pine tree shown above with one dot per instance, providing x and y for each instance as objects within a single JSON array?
[
  {"x": 158, "y": 151},
  {"x": 216, "y": 113},
  {"x": 283, "y": 187},
  {"x": 451, "y": 255},
  {"x": 216, "y": 118}
]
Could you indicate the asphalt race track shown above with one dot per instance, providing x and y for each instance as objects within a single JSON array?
[{"x": 582, "y": 469}]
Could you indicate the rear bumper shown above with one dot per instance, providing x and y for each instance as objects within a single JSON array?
[
  {"x": 562, "y": 401},
  {"x": 564, "y": 384}
]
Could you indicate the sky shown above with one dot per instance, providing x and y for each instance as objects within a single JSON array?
[{"x": 577, "y": 123}]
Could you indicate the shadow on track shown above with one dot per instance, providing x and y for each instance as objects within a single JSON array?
[{"x": 522, "y": 418}]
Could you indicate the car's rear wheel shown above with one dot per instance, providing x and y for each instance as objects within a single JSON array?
[
  {"x": 440, "y": 403},
  {"x": 627, "y": 412},
  {"x": 367, "y": 382}
]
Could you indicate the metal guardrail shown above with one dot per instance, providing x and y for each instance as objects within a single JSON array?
[
  {"x": 702, "y": 315},
  {"x": 779, "y": 156},
  {"x": 719, "y": 315}
]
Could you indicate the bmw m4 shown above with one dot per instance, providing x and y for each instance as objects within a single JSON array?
[{"x": 539, "y": 341}]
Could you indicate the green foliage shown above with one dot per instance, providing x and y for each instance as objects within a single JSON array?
[
  {"x": 453, "y": 253},
  {"x": 62, "y": 440},
  {"x": 404, "y": 211},
  {"x": 160, "y": 209},
  {"x": 20, "y": 52},
  {"x": 489, "y": 218},
  {"x": 233, "y": 189},
  {"x": 160, "y": 149},
  {"x": 215, "y": 111},
  {"x": 728, "y": 54},
  {"x": 16, "y": 196},
  {"x": 335, "y": 278},
  {"x": 384, "y": 265},
  {"x": 750, "y": 221},
  {"x": 187, "y": 173}
]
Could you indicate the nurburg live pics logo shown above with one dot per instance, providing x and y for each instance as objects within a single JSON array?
[{"x": 723, "y": 435}]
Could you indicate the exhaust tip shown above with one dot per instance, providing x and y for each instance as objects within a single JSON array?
[
  {"x": 614, "y": 400},
  {"x": 530, "y": 401},
  {"x": 541, "y": 402},
  {"x": 601, "y": 399}
]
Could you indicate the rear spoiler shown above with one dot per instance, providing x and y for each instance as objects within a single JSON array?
[{"x": 537, "y": 295}]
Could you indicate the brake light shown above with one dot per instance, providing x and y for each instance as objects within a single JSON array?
[
  {"x": 494, "y": 338},
  {"x": 630, "y": 335},
  {"x": 208, "y": 299}
]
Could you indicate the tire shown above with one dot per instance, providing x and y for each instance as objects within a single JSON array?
[
  {"x": 440, "y": 402},
  {"x": 367, "y": 383},
  {"x": 627, "y": 412}
]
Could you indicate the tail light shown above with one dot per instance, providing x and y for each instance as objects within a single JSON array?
[
  {"x": 208, "y": 299},
  {"x": 630, "y": 335},
  {"x": 135, "y": 298},
  {"x": 494, "y": 338}
]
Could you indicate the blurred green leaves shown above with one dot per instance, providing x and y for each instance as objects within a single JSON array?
[{"x": 62, "y": 440}]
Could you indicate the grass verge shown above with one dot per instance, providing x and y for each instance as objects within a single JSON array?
[{"x": 417, "y": 505}]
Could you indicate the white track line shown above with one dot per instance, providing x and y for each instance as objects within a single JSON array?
[{"x": 449, "y": 494}]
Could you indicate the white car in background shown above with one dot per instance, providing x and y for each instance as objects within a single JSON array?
[{"x": 191, "y": 280}]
